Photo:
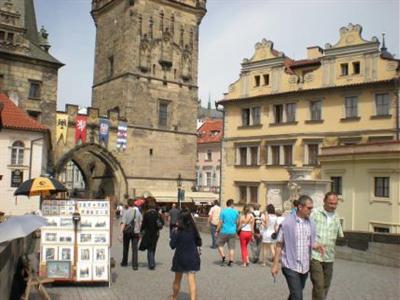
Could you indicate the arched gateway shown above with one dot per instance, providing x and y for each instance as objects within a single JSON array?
[{"x": 101, "y": 171}]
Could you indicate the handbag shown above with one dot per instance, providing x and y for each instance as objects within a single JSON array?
[
  {"x": 159, "y": 222},
  {"x": 274, "y": 235},
  {"x": 129, "y": 229}
]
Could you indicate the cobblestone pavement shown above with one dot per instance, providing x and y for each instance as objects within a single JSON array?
[{"x": 352, "y": 280}]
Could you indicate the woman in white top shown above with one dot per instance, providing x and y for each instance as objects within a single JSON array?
[
  {"x": 246, "y": 227},
  {"x": 269, "y": 227}
]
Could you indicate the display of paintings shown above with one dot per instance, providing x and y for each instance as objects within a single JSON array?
[
  {"x": 84, "y": 271},
  {"x": 86, "y": 223},
  {"x": 66, "y": 253},
  {"x": 66, "y": 222},
  {"x": 85, "y": 238},
  {"x": 49, "y": 253},
  {"x": 58, "y": 269},
  {"x": 66, "y": 237},
  {"x": 52, "y": 221},
  {"x": 101, "y": 223},
  {"x": 85, "y": 254},
  {"x": 100, "y": 272},
  {"x": 100, "y": 254},
  {"x": 50, "y": 237},
  {"x": 100, "y": 238}
]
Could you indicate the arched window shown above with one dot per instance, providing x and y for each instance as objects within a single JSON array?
[{"x": 17, "y": 153}]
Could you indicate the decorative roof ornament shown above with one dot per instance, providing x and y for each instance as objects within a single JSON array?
[
  {"x": 264, "y": 50},
  {"x": 350, "y": 35}
]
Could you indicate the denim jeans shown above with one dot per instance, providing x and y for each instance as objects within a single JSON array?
[
  {"x": 213, "y": 228},
  {"x": 127, "y": 239},
  {"x": 296, "y": 282},
  {"x": 255, "y": 247},
  {"x": 151, "y": 261}
]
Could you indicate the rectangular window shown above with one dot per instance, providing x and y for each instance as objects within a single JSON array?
[
  {"x": 163, "y": 114},
  {"x": 208, "y": 178},
  {"x": 10, "y": 37},
  {"x": 257, "y": 80},
  {"x": 242, "y": 194},
  {"x": 34, "y": 89},
  {"x": 266, "y": 79},
  {"x": 253, "y": 194},
  {"x": 275, "y": 155},
  {"x": 356, "y": 67},
  {"x": 209, "y": 155},
  {"x": 246, "y": 117},
  {"x": 313, "y": 154},
  {"x": 336, "y": 184},
  {"x": 2, "y": 36},
  {"x": 382, "y": 187},
  {"x": 315, "y": 110},
  {"x": 278, "y": 113},
  {"x": 34, "y": 114},
  {"x": 110, "y": 66},
  {"x": 344, "y": 69},
  {"x": 288, "y": 154},
  {"x": 243, "y": 156},
  {"x": 290, "y": 112},
  {"x": 379, "y": 229},
  {"x": 351, "y": 107},
  {"x": 254, "y": 155},
  {"x": 255, "y": 115},
  {"x": 382, "y": 103}
]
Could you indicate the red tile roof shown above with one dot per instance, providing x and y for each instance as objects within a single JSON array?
[
  {"x": 210, "y": 132},
  {"x": 12, "y": 117}
]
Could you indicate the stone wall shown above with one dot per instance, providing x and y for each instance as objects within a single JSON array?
[{"x": 10, "y": 253}]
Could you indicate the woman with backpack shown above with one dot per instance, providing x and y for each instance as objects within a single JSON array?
[
  {"x": 186, "y": 241},
  {"x": 151, "y": 225}
]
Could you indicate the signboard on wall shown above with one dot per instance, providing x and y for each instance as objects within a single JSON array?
[{"x": 17, "y": 177}]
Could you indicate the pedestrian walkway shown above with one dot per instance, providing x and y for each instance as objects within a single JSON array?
[{"x": 351, "y": 280}]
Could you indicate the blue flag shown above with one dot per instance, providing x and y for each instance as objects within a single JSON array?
[{"x": 104, "y": 129}]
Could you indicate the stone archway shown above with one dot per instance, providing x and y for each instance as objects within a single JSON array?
[{"x": 103, "y": 174}]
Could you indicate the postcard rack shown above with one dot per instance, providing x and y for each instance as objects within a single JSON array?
[{"x": 75, "y": 245}]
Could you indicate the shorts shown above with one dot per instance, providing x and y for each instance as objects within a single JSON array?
[{"x": 227, "y": 238}]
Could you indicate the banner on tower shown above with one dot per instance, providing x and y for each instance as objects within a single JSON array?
[
  {"x": 122, "y": 135},
  {"x": 104, "y": 128},
  {"x": 80, "y": 128},
  {"x": 61, "y": 127}
]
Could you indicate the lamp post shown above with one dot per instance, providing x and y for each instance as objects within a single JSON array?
[
  {"x": 179, "y": 185},
  {"x": 76, "y": 218}
]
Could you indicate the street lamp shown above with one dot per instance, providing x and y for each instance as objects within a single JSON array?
[
  {"x": 179, "y": 185},
  {"x": 76, "y": 218}
]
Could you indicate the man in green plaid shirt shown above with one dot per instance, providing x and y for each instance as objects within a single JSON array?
[{"x": 328, "y": 229}]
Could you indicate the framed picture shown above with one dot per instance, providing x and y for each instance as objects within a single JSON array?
[
  {"x": 86, "y": 222},
  {"x": 100, "y": 272},
  {"x": 100, "y": 238},
  {"x": 58, "y": 269},
  {"x": 84, "y": 271},
  {"x": 66, "y": 222},
  {"x": 52, "y": 221},
  {"x": 100, "y": 254},
  {"x": 85, "y": 238},
  {"x": 66, "y": 253},
  {"x": 49, "y": 253},
  {"x": 50, "y": 237},
  {"x": 66, "y": 237},
  {"x": 101, "y": 223},
  {"x": 85, "y": 254}
]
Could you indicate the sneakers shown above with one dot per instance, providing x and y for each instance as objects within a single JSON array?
[
  {"x": 230, "y": 263},
  {"x": 223, "y": 261}
]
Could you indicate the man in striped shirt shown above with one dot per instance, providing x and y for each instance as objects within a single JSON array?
[
  {"x": 328, "y": 228},
  {"x": 295, "y": 240}
]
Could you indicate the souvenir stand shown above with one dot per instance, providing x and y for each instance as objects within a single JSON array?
[{"x": 75, "y": 245}]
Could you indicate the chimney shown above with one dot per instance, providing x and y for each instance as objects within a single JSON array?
[{"x": 314, "y": 52}]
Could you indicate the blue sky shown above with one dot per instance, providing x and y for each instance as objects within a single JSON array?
[{"x": 228, "y": 34}]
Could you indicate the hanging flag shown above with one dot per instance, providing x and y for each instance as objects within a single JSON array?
[
  {"x": 122, "y": 135},
  {"x": 80, "y": 128},
  {"x": 61, "y": 127},
  {"x": 104, "y": 128}
]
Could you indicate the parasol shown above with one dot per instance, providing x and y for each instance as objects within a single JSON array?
[{"x": 42, "y": 186}]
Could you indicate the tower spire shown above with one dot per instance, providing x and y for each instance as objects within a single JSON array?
[{"x": 383, "y": 48}]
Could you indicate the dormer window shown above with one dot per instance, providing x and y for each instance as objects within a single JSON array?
[
  {"x": 257, "y": 80},
  {"x": 344, "y": 69},
  {"x": 266, "y": 79},
  {"x": 356, "y": 67}
]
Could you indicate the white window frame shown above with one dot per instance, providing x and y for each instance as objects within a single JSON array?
[
  {"x": 17, "y": 147},
  {"x": 248, "y": 155}
]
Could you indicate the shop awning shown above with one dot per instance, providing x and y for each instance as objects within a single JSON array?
[{"x": 197, "y": 198}]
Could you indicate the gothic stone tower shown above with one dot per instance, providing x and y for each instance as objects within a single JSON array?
[{"x": 146, "y": 68}]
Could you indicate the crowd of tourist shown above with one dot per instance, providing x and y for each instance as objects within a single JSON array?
[{"x": 299, "y": 241}]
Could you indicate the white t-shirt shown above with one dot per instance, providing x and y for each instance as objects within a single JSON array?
[
  {"x": 330, "y": 216},
  {"x": 214, "y": 214}
]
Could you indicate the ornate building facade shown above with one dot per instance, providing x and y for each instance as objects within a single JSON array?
[{"x": 282, "y": 113}]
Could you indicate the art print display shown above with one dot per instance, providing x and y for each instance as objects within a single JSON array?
[
  {"x": 58, "y": 269},
  {"x": 100, "y": 254},
  {"x": 100, "y": 238},
  {"x": 100, "y": 272},
  {"x": 85, "y": 238},
  {"x": 101, "y": 223},
  {"x": 66, "y": 222},
  {"x": 85, "y": 254},
  {"x": 50, "y": 237},
  {"x": 49, "y": 253},
  {"x": 66, "y": 253},
  {"x": 52, "y": 221},
  {"x": 84, "y": 271},
  {"x": 66, "y": 236}
]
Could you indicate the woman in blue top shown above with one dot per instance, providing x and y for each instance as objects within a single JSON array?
[{"x": 186, "y": 241}]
